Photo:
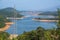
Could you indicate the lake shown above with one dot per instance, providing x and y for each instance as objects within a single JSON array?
[{"x": 27, "y": 24}]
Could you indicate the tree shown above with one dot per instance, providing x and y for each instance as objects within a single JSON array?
[
  {"x": 40, "y": 33},
  {"x": 58, "y": 24},
  {"x": 59, "y": 19},
  {"x": 4, "y": 36},
  {"x": 2, "y": 21},
  {"x": 47, "y": 35}
]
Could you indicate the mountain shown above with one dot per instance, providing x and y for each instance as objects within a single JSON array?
[
  {"x": 10, "y": 12},
  {"x": 54, "y": 13}
]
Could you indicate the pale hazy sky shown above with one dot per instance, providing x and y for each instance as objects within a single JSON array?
[{"x": 41, "y": 5}]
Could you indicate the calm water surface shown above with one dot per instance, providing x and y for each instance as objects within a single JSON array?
[{"x": 27, "y": 24}]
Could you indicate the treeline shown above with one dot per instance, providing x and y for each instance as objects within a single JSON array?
[{"x": 40, "y": 34}]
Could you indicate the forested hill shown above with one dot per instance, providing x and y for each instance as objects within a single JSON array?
[
  {"x": 9, "y": 12},
  {"x": 54, "y": 13}
]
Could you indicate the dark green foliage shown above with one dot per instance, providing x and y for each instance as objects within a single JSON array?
[
  {"x": 2, "y": 24},
  {"x": 59, "y": 18},
  {"x": 58, "y": 25},
  {"x": 53, "y": 13},
  {"x": 39, "y": 34},
  {"x": 4, "y": 36},
  {"x": 10, "y": 12},
  {"x": 14, "y": 39},
  {"x": 3, "y": 20},
  {"x": 33, "y": 35}
]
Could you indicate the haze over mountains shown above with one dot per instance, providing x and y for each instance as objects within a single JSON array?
[{"x": 9, "y": 12}]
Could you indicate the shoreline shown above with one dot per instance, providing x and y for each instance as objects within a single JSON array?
[
  {"x": 7, "y": 26},
  {"x": 46, "y": 20},
  {"x": 16, "y": 18}
]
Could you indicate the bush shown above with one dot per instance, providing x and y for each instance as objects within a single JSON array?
[
  {"x": 4, "y": 36},
  {"x": 2, "y": 24}
]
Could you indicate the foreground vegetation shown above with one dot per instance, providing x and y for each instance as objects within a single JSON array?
[
  {"x": 39, "y": 34},
  {"x": 4, "y": 36}
]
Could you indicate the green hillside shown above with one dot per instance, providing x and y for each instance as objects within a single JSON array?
[
  {"x": 3, "y": 20},
  {"x": 54, "y": 13},
  {"x": 9, "y": 12}
]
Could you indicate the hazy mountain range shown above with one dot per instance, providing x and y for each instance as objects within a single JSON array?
[{"x": 10, "y": 12}]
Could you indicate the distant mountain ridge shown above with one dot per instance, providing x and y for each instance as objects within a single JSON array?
[
  {"x": 10, "y": 12},
  {"x": 54, "y": 13}
]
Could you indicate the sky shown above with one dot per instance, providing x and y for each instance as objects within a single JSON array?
[{"x": 31, "y": 5}]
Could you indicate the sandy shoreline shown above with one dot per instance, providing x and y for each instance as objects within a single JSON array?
[
  {"x": 16, "y": 18},
  {"x": 46, "y": 20},
  {"x": 6, "y": 26}
]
